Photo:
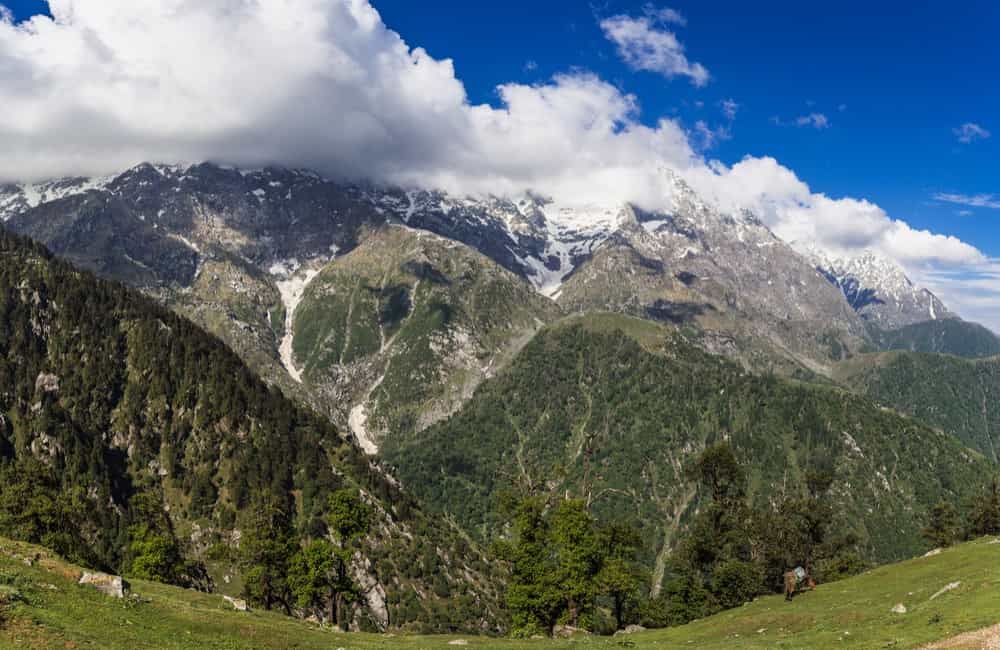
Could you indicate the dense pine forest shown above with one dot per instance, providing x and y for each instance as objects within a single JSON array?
[{"x": 132, "y": 441}]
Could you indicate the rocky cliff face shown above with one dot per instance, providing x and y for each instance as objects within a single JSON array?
[{"x": 879, "y": 290}]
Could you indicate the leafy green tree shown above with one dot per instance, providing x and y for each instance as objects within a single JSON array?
[
  {"x": 155, "y": 556},
  {"x": 266, "y": 546},
  {"x": 35, "y": 508},
  {"x": 719, "y": 473},
  {"x": 348, "y": 520},
  {"x": 943, "y": 526},
  {"x": 154, "y": 552},
  {"x": 578, "y": 557},
  {"x": 534, "y": 596},
  {"x": 620, "y": 579},
  {"x": 311, "y": 577}
]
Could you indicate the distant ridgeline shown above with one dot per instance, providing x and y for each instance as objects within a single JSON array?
[{"x": 132, "y": 441}]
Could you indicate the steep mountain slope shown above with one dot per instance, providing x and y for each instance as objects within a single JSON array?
[
  {"x": 597, "y": 414},
  {"x": 406, "y": 325},
  {"x": 106, "y": 397},
  {"x": 958, "y": 395}
]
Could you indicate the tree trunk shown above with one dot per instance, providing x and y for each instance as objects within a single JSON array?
[
  {"x": 573, "y": 613},
  {"x": 341, "y": 619},
  {"x": 332, "y": 604},
  {"x": 619, "y": 610}
]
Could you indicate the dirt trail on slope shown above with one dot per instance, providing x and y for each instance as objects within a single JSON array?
[{"x": 987, "y": 638}]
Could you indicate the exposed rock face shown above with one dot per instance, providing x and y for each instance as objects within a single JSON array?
[
  {"x": 109, "y": 585},
  {"x": 371, "y": 591},
  {"x": 880, "y": 291}
]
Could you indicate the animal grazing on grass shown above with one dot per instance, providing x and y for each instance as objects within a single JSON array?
[{"x": 797, "y": 580}]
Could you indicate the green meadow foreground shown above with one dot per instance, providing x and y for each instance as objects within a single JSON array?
[{"x": 43, "y": 607}]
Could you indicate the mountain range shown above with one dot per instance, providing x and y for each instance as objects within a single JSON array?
[
  {"x": 476, "y": 346},
  {"x": 385, "y": 308}
]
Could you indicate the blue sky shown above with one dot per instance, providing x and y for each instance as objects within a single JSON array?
[
  {"x": 895, "y": 104},
  {"x": 906, "y": 75}
]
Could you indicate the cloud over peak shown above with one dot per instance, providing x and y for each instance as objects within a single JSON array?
[{"x": 326, "y": 84}]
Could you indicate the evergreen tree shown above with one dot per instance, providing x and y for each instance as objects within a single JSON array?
[
  {"x": 984, "y": 515},
  {"x": 943, "y": 527}
]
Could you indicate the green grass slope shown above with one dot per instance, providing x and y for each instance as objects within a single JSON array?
[{"x": 41, "y": 606}]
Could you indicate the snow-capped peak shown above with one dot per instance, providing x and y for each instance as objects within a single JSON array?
[{"x": 878, "y": 288}]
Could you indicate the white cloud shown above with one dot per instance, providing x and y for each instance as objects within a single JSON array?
[
  {"x": 530, "y": 66},
  {"x": 706, "y": 137},
  {"x": 970, "y": 132},
  {"x": 972, "y": 291},
  {"x": 663, "y": 14},
  {"x": 645, "y": 46},
  {"x": 842, "y": 226},
  {"x": 815, "y": 120},
  {"x": 729, "y": 108},
  {"x": 991, "y": 201},
  {"x": 6, "y": 15},
  {"x": 325, "y": 84}
]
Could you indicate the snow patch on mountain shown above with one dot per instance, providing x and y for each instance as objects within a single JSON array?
[
  {"x": 24, "y": 196},
  {"x": 292, "y": 288},
  {"x": 879, "y": 289}
]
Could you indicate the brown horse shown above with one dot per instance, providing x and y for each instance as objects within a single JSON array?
[{"x": 792, "y": 584}]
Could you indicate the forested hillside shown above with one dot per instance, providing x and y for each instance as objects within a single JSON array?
[
  {"x": 132, "y": 441},
  {"x": 615, "y": 418},
  {"x": 944, "y": 336},
  {"x": 958, "y": 395}
]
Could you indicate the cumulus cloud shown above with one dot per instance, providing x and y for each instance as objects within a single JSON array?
[
  {"x": 644, "y": 45},
  {"x": 841, "y": 226},
  {"x": 970, "y": 132},
  {"x": 991, "y": 201},
  {"x": 325, "y": 84}
]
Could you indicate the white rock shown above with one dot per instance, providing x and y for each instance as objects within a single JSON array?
[
  {"x": 948, "y": 587},
  {"x": 900, "y": 608},
  {"x": 458, "y": 642},
  {"x": 106, "y": 584},
  {"x": 238, "y": 603},
  {"x": 932, "y": 553}
]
